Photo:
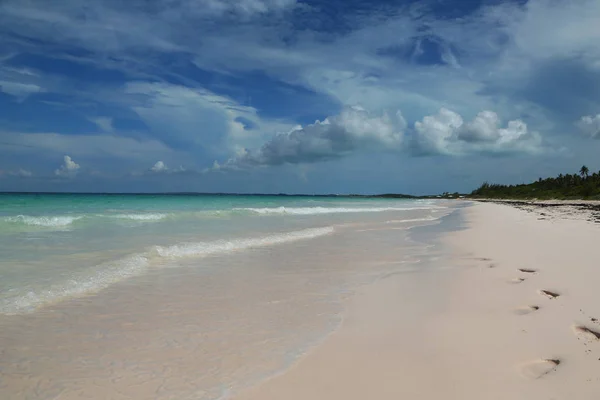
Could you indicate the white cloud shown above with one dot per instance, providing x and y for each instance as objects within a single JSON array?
[
  {"x": 20, "y": 90},
  {"x": 353, "y": 130},
  {"x": 590, "y": 125},
  {"x": 23, "y": 173},
  {"x": 436, "y": 131},
  {"x": 484, "y": 128},
  {"x": 69, "y": 168},
  {"x": 104, "y": 123},
  {"x": 447, "y": 133},
  {"x": 186, "y": 117},
  {"x": 103, "y": 26},
  {"x": 87, "y": 145},
  {"x": 159, "y": 167},
  {"x": 244, "y": 8}
]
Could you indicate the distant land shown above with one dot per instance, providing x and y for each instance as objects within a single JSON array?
[{"x": 581, "y": 185}]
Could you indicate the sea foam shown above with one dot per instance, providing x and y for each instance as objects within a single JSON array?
[
  {"x": 43, "y": 221},
  {"x": 200, "y": 249},
  {"x": 141, "y": 217},
  {"x": 107, "y": 274},
  {"x": 103, "y": 276},
  {"x": 323, "y": 210}
]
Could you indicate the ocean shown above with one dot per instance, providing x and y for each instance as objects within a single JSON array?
[{"x": 236, "y": 286}]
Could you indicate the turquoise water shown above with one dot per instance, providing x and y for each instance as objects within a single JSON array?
[{"x": 57, "y": 246}]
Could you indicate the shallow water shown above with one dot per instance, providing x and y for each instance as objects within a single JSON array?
[
  {"x": 190, "y": 307},
  {"x": 53, "y": 247}
]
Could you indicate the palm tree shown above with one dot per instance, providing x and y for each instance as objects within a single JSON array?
[{"x": 584, "y": 171}]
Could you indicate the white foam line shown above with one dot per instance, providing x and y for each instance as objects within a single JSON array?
[
  {"x": 108, "y": 274},
  {"x": 45, "y": 221},
  {"x": 140, "y": 217},
  {"x": 325, "y": 210},
  {"x": 399, "y": 221},
  {"x": 223, "y": 246}
]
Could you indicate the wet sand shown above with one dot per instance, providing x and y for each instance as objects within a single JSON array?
[{"x": 516, "y": 319}]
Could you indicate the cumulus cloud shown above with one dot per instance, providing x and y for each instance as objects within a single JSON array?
[
  {"x": 447, "y": 133},
  {"x": 435, "y": 131},
  {"x": 352, "y": 130},
  {"x": 159, "y": 167},
  {"x": 356, "y": 130},
  {"x": 69, "y": 168},
  {"x": 590, "y": 125}
]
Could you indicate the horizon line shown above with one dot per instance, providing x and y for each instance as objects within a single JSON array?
[{"x": 219, "y": 194}]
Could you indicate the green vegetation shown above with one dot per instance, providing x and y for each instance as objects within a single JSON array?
[{"x": 575, "y": 186}]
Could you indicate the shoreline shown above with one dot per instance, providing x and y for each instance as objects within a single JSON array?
[
  {"x": 588, "y": 210},
  {"x": 514, "y": 317},
  {"x": 595, "y": 204}
]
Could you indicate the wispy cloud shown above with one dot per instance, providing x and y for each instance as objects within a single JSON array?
[
  {"x": 104, "y": 123},
  {"x": 19, "y": 90},
  {"x": 590, "y": 125},
  {"x": 21, "y": 173}
]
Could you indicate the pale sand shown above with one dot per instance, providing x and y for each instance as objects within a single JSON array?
[{"x": 485, "y": 331}]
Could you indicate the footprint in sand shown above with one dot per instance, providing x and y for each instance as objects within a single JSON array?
[
  {"x": 526, "y": 310},
  {"x": 538, "y": 368},
  {"x": 549, "y": 294},
  {"x": 587, "y": 333},
  {"x": 516, "y": 280},
  {"x": 528, "y": 270}
]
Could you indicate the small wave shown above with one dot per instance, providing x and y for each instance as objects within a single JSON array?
[
  {"x": 104, "y": 276},
  {"x": 49, "y": 222},
  {"x": 141, "y": 217},
  {"x": 223, "y": 246},
  {"x": 107, "y": 274},
  {"x": 399, "y": 221},
  {"x": 322, "y": 210}
]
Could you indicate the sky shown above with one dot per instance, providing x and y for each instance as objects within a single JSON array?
[{"x": 296, "y": 96}]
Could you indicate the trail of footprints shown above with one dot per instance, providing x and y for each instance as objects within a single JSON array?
[{"x": 538, "y": 368}]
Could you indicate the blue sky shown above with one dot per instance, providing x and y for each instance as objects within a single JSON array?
[{"x": 296, "y": 96}]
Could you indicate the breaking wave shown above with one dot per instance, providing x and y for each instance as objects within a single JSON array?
[{"x": 107, "y": 274}]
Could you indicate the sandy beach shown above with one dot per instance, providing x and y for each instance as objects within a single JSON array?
[{"x": 516, "y": 319}]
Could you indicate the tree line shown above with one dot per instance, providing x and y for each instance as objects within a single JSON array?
[{"x": 582, "y": 185}]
